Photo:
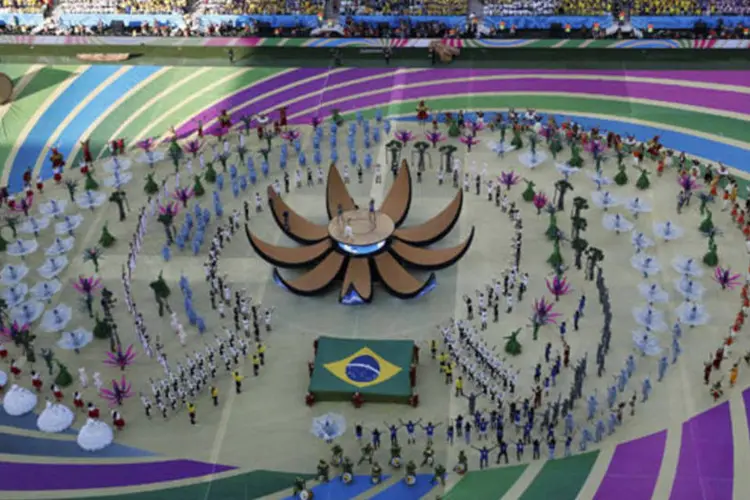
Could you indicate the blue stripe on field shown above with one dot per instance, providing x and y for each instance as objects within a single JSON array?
[
  {"x": 26, "y": 422},
  {"x": 336, "y": 490},
  {"x": 71, "y": 97},
  {"x": 43, "y": 447},
  {"x": 94, "y": 109},
  {"x": 400, "y": 491},
  {"x": 690, "y": 144}
]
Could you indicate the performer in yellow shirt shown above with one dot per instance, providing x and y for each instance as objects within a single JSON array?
[
  {"x": 237, "y": 381},
  {"x": 191, "y": 412}
]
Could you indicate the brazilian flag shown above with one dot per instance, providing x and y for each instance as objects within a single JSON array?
[{"x": 378, "y": 369}]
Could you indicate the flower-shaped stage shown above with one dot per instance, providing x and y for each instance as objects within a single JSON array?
[{"x": 359, "y": 247}]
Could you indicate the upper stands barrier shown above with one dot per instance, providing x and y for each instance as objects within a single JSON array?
[
  {"x": 288, "y": 21},
  {"x": 21, "y": 19},
  {"x": 130, "y": 20}
]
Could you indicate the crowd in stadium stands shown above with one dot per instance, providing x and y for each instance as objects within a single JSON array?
[
  {"x": 521, "y": 8},
  {"x": 237, "y": 7},
  {"x": 388, "y": 7},
  {"x": 123, "y": 6},
  {"x": 25, "y": 6}
]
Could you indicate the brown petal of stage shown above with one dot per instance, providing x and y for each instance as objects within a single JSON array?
[
  {"x": 430, "y": 259},
  {"x": 397, "y": 280},
  {"x": 358, "y": 278},
  {"x": 337, "y": 193},
  {"x": 289, "y": 256},
  {"x": 317, "y": 279},
  {"x": 398, "y": 200},
  {"x": 300, "y": 229},
  {"x": 435, "y": 228}
]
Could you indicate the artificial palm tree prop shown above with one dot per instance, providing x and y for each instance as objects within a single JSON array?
[
  {"x": 593, "y": 257},
  {"x": 562, "y": 186},
  {"x": 394, "y": 148},
  {"x": 552, "y": 232},
  {"x": 161, "y": 293},
  {"x": 120, "y": 198},
  {"x": 447, "y": 151},
  {"x": 579, "y": 246},
  {"x": 420, "y": 148},
  {"x": 167, "y": 213},
  {"x": 71, "y": 186}
]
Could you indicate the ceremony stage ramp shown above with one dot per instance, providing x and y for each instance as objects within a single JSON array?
[{"x": 704, "y": 113}]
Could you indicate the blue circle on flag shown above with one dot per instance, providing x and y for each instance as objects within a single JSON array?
[{"x": 363, "y": 369}]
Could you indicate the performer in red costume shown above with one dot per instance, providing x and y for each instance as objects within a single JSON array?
[
  {"x": 87, "y": 158},
  {"x": 224, "y": 119},
  {"x": 117, "y": 420},
  {"x": 282, "y": 117},
  {"x": 93, "y": 411}
]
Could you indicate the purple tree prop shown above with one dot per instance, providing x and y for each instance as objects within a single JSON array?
[
  {"x": 14, "y": 332},
  {"x": 727, "y": 279},
  {"x": 120, "y": 392},
  {"x": 193, "y": 147},
  {"x": 167, "y": 213},
  {"x": 540, "y": 201},
  {"x": 558, "y": 287},
  {"x": 434, "y": 138},
  {"x": 469, "y": 141},
  {"x": 147, "y": 144},
  {"x": 542, "y": 314},
  {"x": 508, "y": 179},
  {"x": 688, "y": 183},
  {"x": 183, "y": 195},
  {"x": 475, "y": 127},
  {"x": 403, "y": 136},
  {"x": 120, "y": 358},
  {"x": 87, "y": 286}
]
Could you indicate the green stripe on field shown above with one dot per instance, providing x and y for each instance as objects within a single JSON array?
[
  {"x": 24, "y": 106},
  {"x": 709, "y": 124},
  {"x": 561, "y": 479},
  {"x": 248, "y": 486},
  {"x": 102, "y": 133},
  {"x": 15, "y": 71},
  {"x": 545, "y": 43},
  {"x": 488, "y": 484}
]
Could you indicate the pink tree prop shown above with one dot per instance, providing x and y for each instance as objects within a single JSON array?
[
  {"x": 315, "y": 121},
  {"x": 23, "y": 205},
  {"x": 120, "y": 358},
  {"x": 183, "y": 195},
  {"x": 542, "y": 314},
  {"x": 15, "y": 331},
  {"x": 540, "y": 201},
  {"x": 508, "y": 179},
  {"x": 193, "y": 147},
  {"x": 120, "y": 392},
  {"x": 403, "y": 136},
  {"x": 87, "y": 285},
  {"x": 469, "y": 141},
  {"x": 434, "y": 138},
  {"x": 476, "y": 127},
  {"x": 727, "y": 279},
  {"x": 290, "y": 135},
  {"x": 219, "y": 132},
  {"x": 558, "y": 287}
]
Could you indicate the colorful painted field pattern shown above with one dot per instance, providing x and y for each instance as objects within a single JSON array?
[{"x": 702, "y": 113}]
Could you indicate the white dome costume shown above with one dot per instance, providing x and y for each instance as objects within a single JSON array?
[
  {"x": 21, "y": 248},
  {"x": 118, "y": 179},
  {"x": 667, "y": 231},
  {"x": 90, "y": 199},
  {"x": 116, "y": 163},
  {"x": 19, "y": 401},
  {"x": 55, "y": 418},
  {"x": 69, "y": 223},
  {"x": 566, "y": 170},
  {"x": 27, "y": 312},
  {"x": 616, "y": 223},
  {"x": 45, "y": 290},
  {"x": 76, "y": 339},
  {"x": 53, "y": 208},
  {"x": 652, "y": 292},
  {"x": 646, "y": 264},
  {"x": 692, "y": 314},
  {"x": 637, "y": 206},
  {"x": 150, "y": 157},
  {"x": 10, "y": 275},
  {"x": 52, "y": 267},
  {"x": 605, "y": 200},
  {"x": 60, "y": 246},
  {"x": 34, "y": 226},
  {"x": 689, "y": 288},
  {"x": 650, "y": 318},
  {"x": 95, "y": 435},
  {"x": 640, "y": 241},
  {"x": 56, "y": 318},
  {"x": 328, "y": 427},
  {"x": 687, "y": 266},
  {"x": 15, "y": 294},
  {"x": 599, "y": 179},
  {"x": 646, "y": 343}
]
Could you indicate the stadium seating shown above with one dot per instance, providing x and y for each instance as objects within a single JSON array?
[
  {"x": 268, "y": 7},
  {"x": 24, "y": 6}
]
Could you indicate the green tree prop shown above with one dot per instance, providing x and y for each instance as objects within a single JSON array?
[
  {"x": 336, "y": 117},
  {"x": 447, "y": 151},
  {"x": 555, "y": 145},
  {"x": 106, "y": 240},
  {"x": 151, "y": 186},
  {"x": 161, "y": 293},
  {"x": 707, "y": 224},
  {"x": 552, "y": 229},
  {"x": 90, "y": 184},
  {"x": 210, "y": 174},
  {"x": 102, "y": 328},
  {"x": 622, "y": 177},
  {"x": 198, "y": 188},
  {"x": 71, "y": 186},
  {"x": 453, "y": 129},
  {"x": 576, "y": 160},
  {"x": 175, "y": 154},
  {"x": 3, "y": 243},
  {"x": 643, "y": 182},
  {"x": 517, "y": 141},
  {"x": 555, "y": 259},
  {"x": 63, "y": 378},
  {"x": 711, "y": 258},
  {"x": 528, "y": 194},
  {"x": 512, "y": 345},
  {"x": 11, "y": 222}
]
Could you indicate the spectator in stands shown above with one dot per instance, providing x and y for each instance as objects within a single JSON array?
[{"x": 520, "y": 7}]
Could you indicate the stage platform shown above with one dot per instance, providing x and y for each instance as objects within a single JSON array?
[{"x": 378, "y": 369}]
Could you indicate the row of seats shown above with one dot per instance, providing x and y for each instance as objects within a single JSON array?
[
  {"x": 237, "y": 7},
  {"x": 123, "y": 6}
]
